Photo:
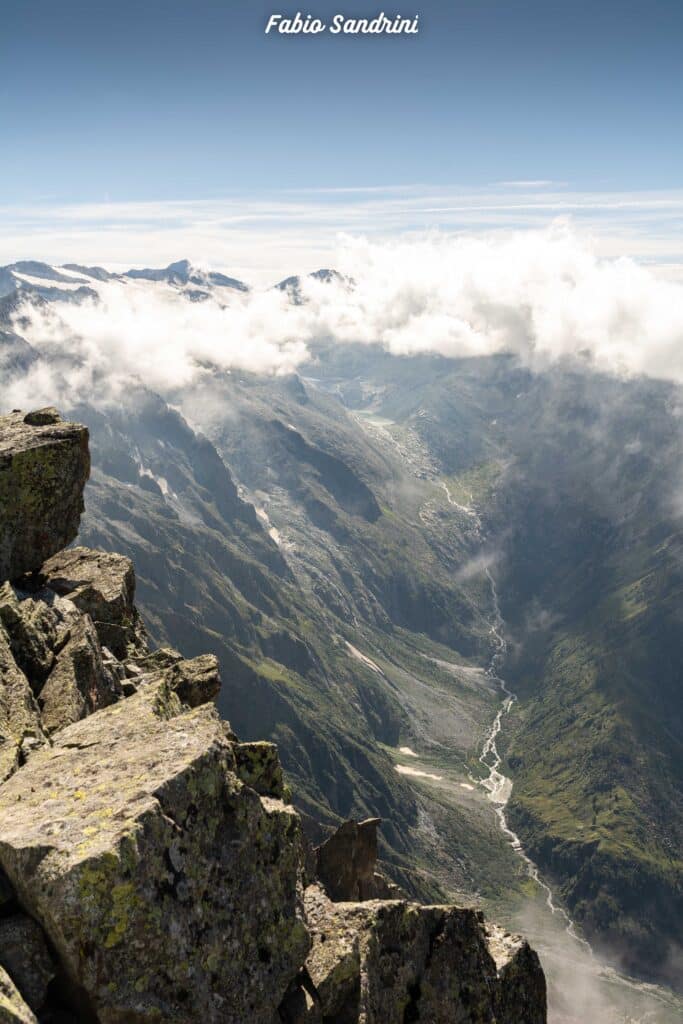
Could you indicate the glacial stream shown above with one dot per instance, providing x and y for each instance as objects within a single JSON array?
[
  {"x": 497, "y": 785},
  {"x": 581, "y": 987}
]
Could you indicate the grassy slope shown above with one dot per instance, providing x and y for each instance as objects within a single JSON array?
[
  {"x": 593, "y": 585},
  {"x": 577, "y": 477},
  {"x": 209, "y": 578}
]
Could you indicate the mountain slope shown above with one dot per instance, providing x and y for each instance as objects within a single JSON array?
[
  {"x": 338, "y": 572},
  {"x": 577, "y": 476}
]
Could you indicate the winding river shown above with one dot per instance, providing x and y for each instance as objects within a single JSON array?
[{"x": 497, "y": 785}]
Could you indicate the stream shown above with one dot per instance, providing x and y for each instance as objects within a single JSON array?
[
  {"x": 584, "y": 988},
  {"x": 497, "y": 785}
]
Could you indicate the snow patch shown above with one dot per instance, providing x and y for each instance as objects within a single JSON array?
[
  {"x": 359, "y": 656},
  {"x": 46, "y": 282},
  {"x": 404, "y": 769}
]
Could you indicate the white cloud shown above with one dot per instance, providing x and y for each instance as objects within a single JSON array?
[
  {"x": 268, "y": 236},
  {"x": 532, "y": 183},
  {"x": 152, "y": 332},
  {"x": 544, "y": 295}
]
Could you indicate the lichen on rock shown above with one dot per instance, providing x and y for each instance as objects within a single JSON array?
[
  {"x": 102, "y": 585},
  {"x": 390, "y": 961},
  {"x": 19, "y": 716},
  {"x": 132, "y": 830}
]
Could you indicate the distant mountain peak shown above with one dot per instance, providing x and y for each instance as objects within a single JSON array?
[
  {"x": 184, "y": 272},
  {"x": 181, "y": 267},
  {"x": 292, "y": 285}
]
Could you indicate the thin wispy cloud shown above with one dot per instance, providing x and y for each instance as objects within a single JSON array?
[
  {"x": 533, "y": 183},
  {"x": 266, "y": 237}
]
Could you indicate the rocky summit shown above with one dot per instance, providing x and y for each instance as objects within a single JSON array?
[
  {"x": 44, "y": 465},
  {"x": 152, "y": 868}
]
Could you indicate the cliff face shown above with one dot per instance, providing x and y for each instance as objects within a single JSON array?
[
  {"x": 152, "y": 869},
  {"x": 44, "y": 465}
]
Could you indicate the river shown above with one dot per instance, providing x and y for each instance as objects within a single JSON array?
[{"x": 582, "y": 988}]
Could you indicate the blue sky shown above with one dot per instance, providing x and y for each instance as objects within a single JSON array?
[{"x": 108, "y": 105}]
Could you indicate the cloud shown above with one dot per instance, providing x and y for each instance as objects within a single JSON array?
[
  {"x": 543, "y": 295},
  {"x": 533, "y": 183},
  {"x": 474, "y": 567},
  {"x": 154, "y": 334},
  {"x": 267, "y": 236}
]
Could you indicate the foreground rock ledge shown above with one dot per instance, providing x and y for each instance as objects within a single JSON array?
[
  {"x": 169, "y": 889},
  {"x": 391, "y": 961}
]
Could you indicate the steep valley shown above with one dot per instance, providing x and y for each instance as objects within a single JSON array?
[{"x": 335, "y": 536}]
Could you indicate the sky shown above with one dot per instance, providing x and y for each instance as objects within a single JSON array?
[{"x": 142, "y": 132}]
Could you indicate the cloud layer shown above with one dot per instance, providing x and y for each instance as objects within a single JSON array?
[
  {"x": 264, "y": 237},
  {"x": 544, "y": 295}
]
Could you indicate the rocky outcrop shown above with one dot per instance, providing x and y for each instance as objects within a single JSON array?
[
  {"x": 102, "y": 585},
  {"x": 79, "y": 682},
  {"x": 169, "y": 889},
  {"x": 258, "y": 765},
  {"x": 151, "y": 867},
  {"x": 43, "y": 470},
  {"x": 346, "y": 863},
  {"x": 56, "y": 671},
  {"x": 390, "y": 961}
]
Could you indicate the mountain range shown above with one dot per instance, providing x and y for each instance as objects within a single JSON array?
[{"x": 343, "y": 538}]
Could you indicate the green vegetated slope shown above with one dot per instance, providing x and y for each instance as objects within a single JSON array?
[
  {"x": 313, "y": 631},
  {"x": 593, "y": 590},
  {"x": 578, "y": 478},
  {"x": 347, "y": 601}
]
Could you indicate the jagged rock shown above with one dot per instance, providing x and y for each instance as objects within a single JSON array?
[
  {"x": 169, "y": 890},
  {"x": 43, "y": 470},
  {"x": 25, "y": 956},
  {"x": 156, "y": 853},
  {"x": 102, "y": 585},
  {"x": 521, "y": 994},
  {"x": 58, "y": 649},
  {"x": 387, "y": 962},
  {"x": 13, "y": 1009},
  {"x": 80, "y": 681},
  {"x": 163, "y": 657},
  {"x": 333, "y": 963},
  {"x": 32, "y": 630},
  {"x": 18, "y": 711},
  {"x": 114, "y": 665},
  {"x": 258, "y": 765},
  {"x": 345, "y": 863},
  {"x": 42, "y": 417},
  {"x": 196, "y": 681}
]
